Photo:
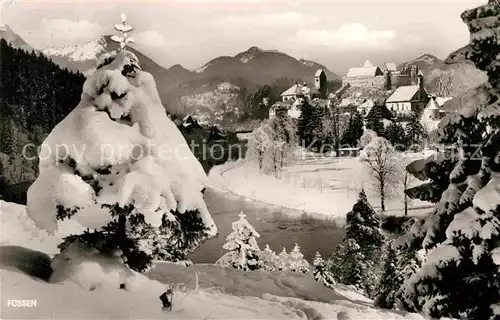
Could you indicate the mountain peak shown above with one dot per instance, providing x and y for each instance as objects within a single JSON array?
[{"x": 254, "y": 49}]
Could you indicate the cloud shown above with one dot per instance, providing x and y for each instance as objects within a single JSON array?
[
  {"x": 151, "y": 38},
  {"x": 348, "y": 36},
  {"x": 60, "y": 32},
  {"x": 282, "y": 19}
]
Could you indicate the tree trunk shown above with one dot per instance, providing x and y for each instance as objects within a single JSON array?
[
  {"x": 406, "y": 205},
  {"x": 382, "y": 195}
]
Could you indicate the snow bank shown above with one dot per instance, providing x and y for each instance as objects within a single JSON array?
[
  {"x": 69, "y": 301},
  {"x": 18, "y": 229}
]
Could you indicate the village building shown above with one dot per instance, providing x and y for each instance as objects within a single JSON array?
[
  {"x": 407, "y": 100},
  {"x": 292, "y": 98}
]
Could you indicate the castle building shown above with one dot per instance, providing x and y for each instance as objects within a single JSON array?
[{"x": 389, "y": 77}]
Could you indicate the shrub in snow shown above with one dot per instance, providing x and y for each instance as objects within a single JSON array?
[
  {"x": 118, "y": 166},
  {"x": 461, "y": 275},
  {"x": 296, "y": 261},
  {"x": 242, "y": 245},
  {"x": 321, "y": 272}
]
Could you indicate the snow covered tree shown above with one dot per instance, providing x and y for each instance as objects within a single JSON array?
[
  {"x": 321, "y": 272},
  {"x": 283, "y": 260},
  {"x": 398, "y": 265},
  {"x": 355, "y": 261},
  {"x": 269, "y": 259},
  {"x": 283, "y": 143},
  {"x": 389, "y": 283},
  {"x": 461, "y": 275},
  {"x": 108, "y": 170},
  {"x": 347, "y": 264},
  {"x": 363, "y": 225},
  {"x": 242, "y": 245},
  {"x": 366, "y": 138},
  {"x": 259, "y": 144},
  {"x": 380, "y": 159},
  {"x": 296, "y": 261}
]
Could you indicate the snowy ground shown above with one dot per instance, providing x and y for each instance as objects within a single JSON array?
[
  {"x": 222, "y": 293},
  {"x": 321, "y": 186}
]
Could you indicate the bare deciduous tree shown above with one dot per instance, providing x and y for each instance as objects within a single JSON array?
[
  {"x": 444, "y": 85},
  {"x": 380, "y": 158}
]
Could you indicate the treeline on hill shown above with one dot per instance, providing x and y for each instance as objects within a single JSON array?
[{"x": 35, "y": 94}]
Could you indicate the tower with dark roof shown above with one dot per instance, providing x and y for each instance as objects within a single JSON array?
[{"x": 320, "y": 82}]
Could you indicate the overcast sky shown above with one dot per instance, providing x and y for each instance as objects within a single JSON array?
[{"x": 338, "y": 34}]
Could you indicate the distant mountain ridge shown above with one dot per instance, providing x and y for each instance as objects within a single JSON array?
[
  {"x": 462, "y": 73},
  {"x": 14, "y": 39}
]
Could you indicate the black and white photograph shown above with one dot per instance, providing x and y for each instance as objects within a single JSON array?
[{"x": 250, "y": 159}]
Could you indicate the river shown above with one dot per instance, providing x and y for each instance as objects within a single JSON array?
[{"x": 278, "y": 227}]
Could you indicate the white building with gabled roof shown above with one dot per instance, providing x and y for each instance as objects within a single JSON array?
[{"x": 408, "y": 99}]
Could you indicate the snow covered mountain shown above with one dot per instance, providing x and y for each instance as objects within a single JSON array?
[{"x": 13, "y": 38}]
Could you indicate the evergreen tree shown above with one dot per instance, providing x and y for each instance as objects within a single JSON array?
[
  {"x": 296, "y": 261},
  {"x": 283, "y": 260},
  {"x": 242, "y": 245},
  {"x": 389, "y": 283},
  {"x": 355, "y": 262},
  {"x": 269, "y": 259},
  {"x": 321, "y": 273},
  {"x": 309, "y": 122},
  {"x": 347, "y": 264},
  {"x": 396, "y": 135},
  {"x": 354, "y": 130},
  {"x": 363, "y": 225},
  {"x": 415, "y": 132},
  {"x": 461, "y": 274}
]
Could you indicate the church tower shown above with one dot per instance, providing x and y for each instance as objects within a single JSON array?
[{"x": 320, "y": 82}]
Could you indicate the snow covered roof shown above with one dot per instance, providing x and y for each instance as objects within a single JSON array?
[
  {"x": 368, "y": 64},
  {"x": 390, "y": 66},
  {"x": 432, "y": 105},
  {"x": 318, "y": 72},
  {"x": 441, "y": 100},
  {"x": 404, "y": 93},
  {"x": 296, "y": 89},
  {"x": 368, "y": 104},
  {"x": 363, "y": 72}
]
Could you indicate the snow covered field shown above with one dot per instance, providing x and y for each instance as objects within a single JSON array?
[
  {"x": 322, "y": 186},
  {"x": 222, "y": 293}
]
